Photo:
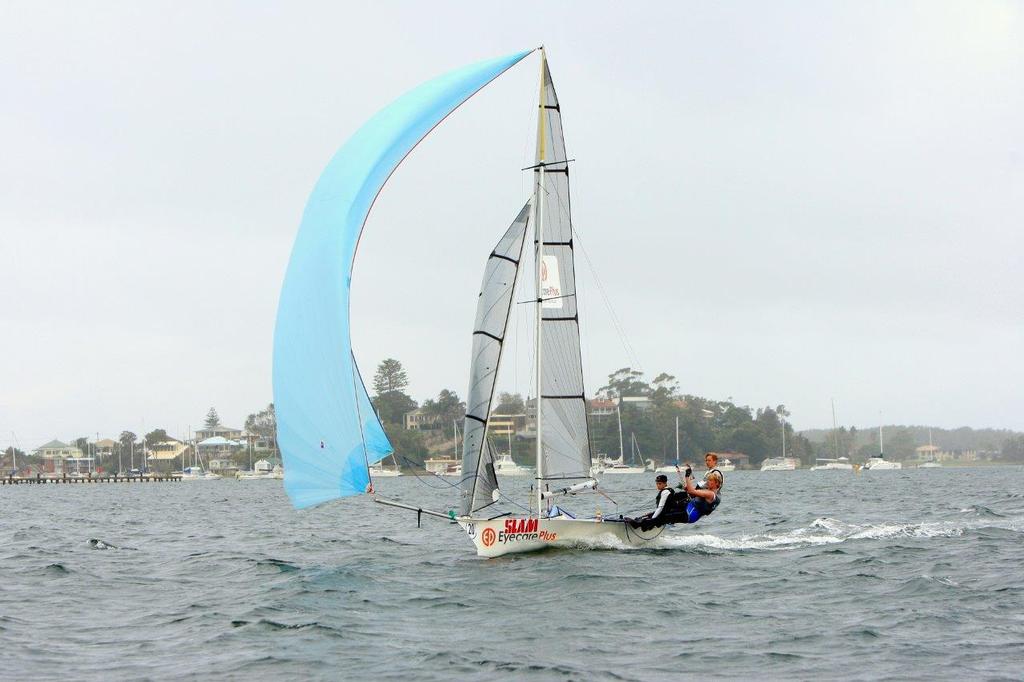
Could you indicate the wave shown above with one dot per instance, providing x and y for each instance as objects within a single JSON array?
[{"x": 822, "y": 531}]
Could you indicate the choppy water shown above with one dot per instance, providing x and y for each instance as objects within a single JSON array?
[{"x": 905, "y": 574}]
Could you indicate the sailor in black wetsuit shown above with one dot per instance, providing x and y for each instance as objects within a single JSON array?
[{"x": 663, "y": 504}]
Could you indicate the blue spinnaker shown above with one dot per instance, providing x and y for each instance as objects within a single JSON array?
[{"x": 326, "y": 428}]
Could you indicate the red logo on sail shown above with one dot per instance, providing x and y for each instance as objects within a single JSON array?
[{"x": 488, "y": 537}]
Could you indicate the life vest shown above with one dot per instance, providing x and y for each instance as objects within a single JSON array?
[
  {"x": 670, "y": 503},
  {"x": 703, "y": 507}
]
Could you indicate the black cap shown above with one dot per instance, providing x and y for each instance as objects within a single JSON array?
[{"x": 661, "y": 478}]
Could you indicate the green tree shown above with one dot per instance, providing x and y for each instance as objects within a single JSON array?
[
  {"x": 156, "y": 436},
  {"x": 625, "y": 382},
  {"x": 212, "y": 419},
  {"x": 390, "y": 376},
  {"x": 447, "y": 408},
  {"x": 510, "y": 403},
  {"x": 392, "y": 406},
  {"x": 263, "y": 424},
  {"x": 1013, "y": 449}
]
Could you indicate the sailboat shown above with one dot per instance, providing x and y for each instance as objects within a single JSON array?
[
  {"x": 880, "y": 463},
  {"x": 327, "y": 429},
  {"x": 840, "y": 462},
  {"x": 781, "y": 463},
  {"x": 671, "y": 468},
  {"x": 604, "y": 465}
]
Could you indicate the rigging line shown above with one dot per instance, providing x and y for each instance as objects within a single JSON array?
[
  {"x": 414, "y": 465},
  {"x": 626, "y": 345}
]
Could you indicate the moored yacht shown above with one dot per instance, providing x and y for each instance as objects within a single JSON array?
[
  {"x": 880, "y": 463},
  {"x": 839, "y": 463},
  {"x": 506, "y": 466},
  {"x": 779, "y": 464}
]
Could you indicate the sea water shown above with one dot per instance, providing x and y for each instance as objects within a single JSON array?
[{"x": 827, "y": 574}]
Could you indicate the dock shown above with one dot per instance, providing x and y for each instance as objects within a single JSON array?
[{"x": 102, "y": 478}]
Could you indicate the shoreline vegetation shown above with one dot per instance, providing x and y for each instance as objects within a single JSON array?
[{"x": 649, "y": 412}]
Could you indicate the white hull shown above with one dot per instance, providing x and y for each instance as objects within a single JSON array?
[
  {"x": 725, "y": 468},
  {"x": 879, "y": 464},
  {"x": 509, "y": 535},
  {"x": 779, "y": 464},
  {"x": 384, "y": 473},
  {"x": 624, "y": 470},
  {"x": 671, "y": 469},
  {"x": 929, "y": 465},
  {"x": 514, "y": 471},
  {"x": 506, "y": 466},
  {"x": 832, "y": 466}
]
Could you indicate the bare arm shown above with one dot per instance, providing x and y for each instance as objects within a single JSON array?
[{"x": 699, "y": 492}]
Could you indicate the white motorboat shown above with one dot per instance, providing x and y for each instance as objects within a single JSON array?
[
  {"x": 929, "y": 465},
  {"x": 506, "y": 466},
  {"x": 837, "y": 464},
  {"x": 726, "y": 466},
  {"x": 779, "y": 464}
]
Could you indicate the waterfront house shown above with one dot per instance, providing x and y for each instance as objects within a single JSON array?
[
  {"x": 61, "y": 458},
  {"x": 223, "y": 466},
  {"x": 225, "y": 432},
  {"x": 104, "y": 448},
  {"x": 419, "y": 420},
  {"x": 165, "y": 456}
]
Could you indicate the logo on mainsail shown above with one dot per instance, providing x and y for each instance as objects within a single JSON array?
[{"x": 550, "y": 282}]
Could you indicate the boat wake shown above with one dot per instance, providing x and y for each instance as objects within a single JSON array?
[{"x": 823, "y": 531}]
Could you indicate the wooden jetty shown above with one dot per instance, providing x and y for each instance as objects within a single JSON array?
[{"x": 39, "y": 479}]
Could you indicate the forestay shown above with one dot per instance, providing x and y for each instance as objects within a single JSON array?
[
  {"x": 565, "y": 438},
  {"x": 492, "y": 313},
  {"x": 327, "y": 430}
]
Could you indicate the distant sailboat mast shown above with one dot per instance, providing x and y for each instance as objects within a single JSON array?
[{"x": 677, "y": 441}]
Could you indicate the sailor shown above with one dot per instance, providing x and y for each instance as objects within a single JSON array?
[
  {"x": 662, "y": 501},
  {"x": 701, "y": 502},
  {"x": 711, "y": 462},
  {"x": 688, "y": 506}
]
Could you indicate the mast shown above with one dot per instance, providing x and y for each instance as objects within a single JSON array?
[
  {"x": 677, "y": 441},
  {"x": 538, "y": 208},
  {"x": 783, "y": 438},
  {"x": 835, "y": 430},
  {"x": 881, "y": 444},
  {"x": 618, "y": 414}
]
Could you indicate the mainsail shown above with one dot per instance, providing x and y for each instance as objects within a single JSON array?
[
  {"x": 492, "y": 312},
  {"x": 326, "y": 428},
  {"x": 565, "y": 441}
]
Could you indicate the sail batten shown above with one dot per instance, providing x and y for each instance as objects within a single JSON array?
[
  {"x": 327, "y": 429},
  {"x": 479, "y": 480}
]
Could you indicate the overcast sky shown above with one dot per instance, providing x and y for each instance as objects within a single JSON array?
[{"x": 784, "y": 202}]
